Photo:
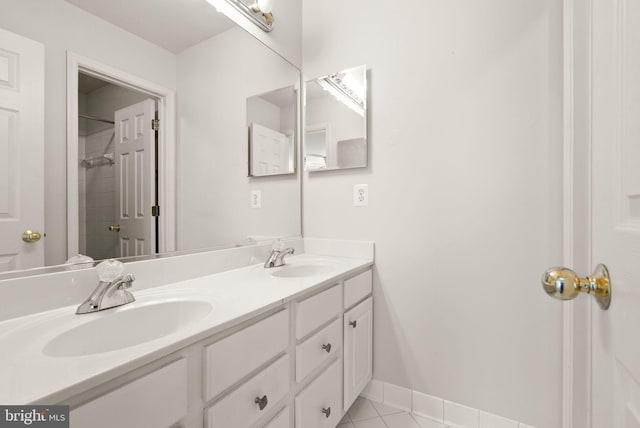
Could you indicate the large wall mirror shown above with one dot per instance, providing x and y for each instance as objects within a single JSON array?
[
  {"x": 182, "y": 182},
  {"x": 336, "y": 121}
]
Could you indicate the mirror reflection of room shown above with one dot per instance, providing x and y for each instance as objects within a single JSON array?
[
  {"x": 271, "y": 119},
  {"x": 336, "y": 121},
  {"x": 117, "y": 170},
  {"x": 199, "y": 75}
]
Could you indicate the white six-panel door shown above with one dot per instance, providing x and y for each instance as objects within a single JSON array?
[
  {"x": 135, "y": 179},
  {"x": 21, "y": 150},
  {"x": 270, "y": 152},
  {"x": 616, "y": 211}
]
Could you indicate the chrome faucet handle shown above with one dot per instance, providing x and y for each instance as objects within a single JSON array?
[
  {"x": 110, "y": 270},
  {"x": 126, "y": 281}
]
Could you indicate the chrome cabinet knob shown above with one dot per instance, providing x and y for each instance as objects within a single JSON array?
[
  {"x": 353, "y": 324},
  {"x": 261, "y": 402},
  {"x": 327, "y": 347},
  {"x": 564, "y": 284},
  {"x": 327, "y": 412}
]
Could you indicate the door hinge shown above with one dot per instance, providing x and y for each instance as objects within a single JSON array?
[
  {"x": 155, "y": 211},
  {"x": 155, "y": 124}
]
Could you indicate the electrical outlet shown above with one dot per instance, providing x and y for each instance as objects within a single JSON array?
[
  {"x": 360, "y": 195},
  {"x": 256, "y": 199}
]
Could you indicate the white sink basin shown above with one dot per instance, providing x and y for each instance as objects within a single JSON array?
[
  {"x": 302, "y": 270},
  {"x": 127, "y": 326}
]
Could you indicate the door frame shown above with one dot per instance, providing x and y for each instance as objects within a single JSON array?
[
  {"x": 576, "y": 328},
  {"x": 166, "y": 102}
]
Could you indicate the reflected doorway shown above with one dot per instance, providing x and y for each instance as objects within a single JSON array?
[{"x": 117, "y": 170}]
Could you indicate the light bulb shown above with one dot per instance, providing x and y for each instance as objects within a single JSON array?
[{"x": 265, "y": 6}]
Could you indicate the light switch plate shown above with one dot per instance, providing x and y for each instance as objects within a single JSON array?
[
  {"x": 360, "y": 195},
  {"x": 256, "y": 199}
]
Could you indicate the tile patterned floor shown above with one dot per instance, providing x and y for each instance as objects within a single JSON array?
[{"x": 368, "y": 414}]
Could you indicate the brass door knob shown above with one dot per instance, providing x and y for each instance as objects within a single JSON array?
[
  {"x": 114, "y": 228},
  {"x": 31, "y": 236},
  {"x": 564, "y": 284}
]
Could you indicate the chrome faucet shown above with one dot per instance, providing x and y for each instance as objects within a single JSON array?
[
  {"x": 276, "y": 258},
  {"x": 110, "y": 292}
]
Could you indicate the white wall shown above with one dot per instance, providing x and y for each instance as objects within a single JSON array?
[
  {"x": 215, "y": 78},
  {"x": 465, "y": 192},
  {"x": 62, "y": 27},
  {"x": 263, "y": 113}
]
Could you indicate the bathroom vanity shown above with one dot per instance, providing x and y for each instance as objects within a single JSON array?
[{"x": 248, "y": 347}]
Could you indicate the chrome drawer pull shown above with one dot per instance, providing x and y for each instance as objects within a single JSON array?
[
  {"x": 262, "y": 402},
  {"x": 327, "y": 412},
  {"x": 327, "y": 347}
]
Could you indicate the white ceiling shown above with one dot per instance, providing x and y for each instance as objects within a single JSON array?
[
  {"x": 282, "y": 98},
  {"x": 172, "y": 24}
]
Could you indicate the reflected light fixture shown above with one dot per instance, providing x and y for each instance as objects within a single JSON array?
[
  {"x": 339, "y": 87},
  {"x": 260, "y": 12}
]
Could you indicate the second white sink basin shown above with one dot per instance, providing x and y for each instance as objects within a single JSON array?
[{"x": 127, "y": 326}]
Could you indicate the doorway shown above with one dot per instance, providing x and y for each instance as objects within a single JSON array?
[
  {"x": 117, "y": 170},
  {"x": 143, "y": 172}
]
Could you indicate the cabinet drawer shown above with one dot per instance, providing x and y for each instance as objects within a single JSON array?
[
  {"x": 357, "y": 288},
  {"x": 317, "y": 349},
  {"x": 320, "y": 404},
  {"x": 280, "y": 421},
  {"x": 235, "y": 356},
  {"x": 316, "y": 310},
  {"x": 239, "y": 408},
  {"x": 156, "y": 400}
]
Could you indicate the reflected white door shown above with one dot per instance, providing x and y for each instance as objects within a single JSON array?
[
  {"x": 616, "y": 211},
  {"x": 21, "y": 150},
  {"x": 135, "y": 179},
  {"x": 270, "y": 151}
]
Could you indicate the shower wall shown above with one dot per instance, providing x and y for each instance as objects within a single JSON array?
[{"x": 99, "y": 199}]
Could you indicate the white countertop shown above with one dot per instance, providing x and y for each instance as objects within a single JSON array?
[{"x": 28, "y": 375}]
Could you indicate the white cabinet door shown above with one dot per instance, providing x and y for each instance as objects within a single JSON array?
[
  {"x": 358, "y": 350},
  {"x": 21, "y": 150}
]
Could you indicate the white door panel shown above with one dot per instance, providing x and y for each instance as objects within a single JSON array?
[
  {"x": 135, "y": 179},
  {"x": 21, "y": 150},
  {"x": 270, "y": 151},
  {"x": 616, "y": 211}
]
